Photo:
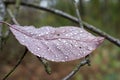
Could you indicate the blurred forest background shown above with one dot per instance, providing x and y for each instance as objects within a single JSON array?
[{"x": 105, "y": 60}]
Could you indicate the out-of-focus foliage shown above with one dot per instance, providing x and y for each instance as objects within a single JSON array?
[
  {"x": 105, "y": 65},
  {"x": 2, "y": 14}
]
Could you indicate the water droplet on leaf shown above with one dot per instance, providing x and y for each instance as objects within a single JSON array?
[{"x": 70, "y": 44}]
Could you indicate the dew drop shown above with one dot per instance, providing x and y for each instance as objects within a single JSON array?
[
  {"x": 79, "y": 54},
  {"x": 63, "y": 60},
  {"x": 76, "y": 32},
  {"x": 23, "y": 40},
  {"x": 59, "y": 39},
  {"x": 66, "y": 57},
  {"x": 38, "y": 48},
  {"x": 76, "y": 45},
  {"x": 80, "y": 34},
  {"x": 31, "y": 33},
  {"x": 56, "y": 56},
  {"x": 84, "y": 53},
  {"x": 39, "y": 35},
  {"x": 57, "y": 44},
  {"x": 35, "y": 50},
  {"x": 90, "y": 48},
  {"x": 52, "y": 60},
  {"x": 64, "y": 41},
  {"x": 81, "y": 31},
  {"x": 26, "y": 37},
  {"x": 66, "y": 35},
  {"x": 72, "y": 37},
  {"x": 49, "y": 49}
]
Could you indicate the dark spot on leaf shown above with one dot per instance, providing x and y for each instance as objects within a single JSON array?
[
  {"x": 50, "y": 46},
  {"x": 80, "y": 47},
  {"x": 58, "y": 34}
]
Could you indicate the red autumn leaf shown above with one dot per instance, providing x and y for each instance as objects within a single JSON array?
[{"x": 57, "y": 44}]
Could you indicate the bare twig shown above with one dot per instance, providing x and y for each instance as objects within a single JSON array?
[
  {"x": 25, "y": 52},
  {"x": 73, "y": 72},
  {"x": 78, "y": 14},
  {"x": 88, "y": 26},
  {"x": 17, "y": 6},
  {"x": 86, "y": 60},
  {"x": 42, "y": 60},
  {"x": 12, "y": 17},
  {"x": 74, "y": 19},
  {"x": 19, "y": 61}
]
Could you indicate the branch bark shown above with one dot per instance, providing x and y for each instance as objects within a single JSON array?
[
  {"x": 74, "y": 19},
  {"x": 44, "y": 62},
  {"x": 73, "y": 72},
  {"x": 78, "y": 14},
  {"x": 19, "y": 61}
]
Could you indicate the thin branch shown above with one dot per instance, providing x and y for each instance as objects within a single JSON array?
[
  {"x": 12, "y": 17},
  {"x": 19, "y": 61},
  {"x": 87, "y": 60},
  {"x": 42, "y": 60},
  {"x": 69, "y": 17},
  {"x": 21, "y": 58},
  {"x": 74, "y": 19},
  {"x": 17, "y": 6},
  {"x": 73, "y": 72},
  {"x": 78, "y": 14}
]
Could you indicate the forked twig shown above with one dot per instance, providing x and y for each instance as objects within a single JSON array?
[
  {"x": 74, "y": 19},
  {"x": 86, "y": 60},
  {"x": 74, "y": 71},
  {"x": 78, "y": 14},
  {"x": 42, "y": 60},
  {"x": 88, "y": 26},
  {"x": 12, "y": 17},
  {"x": 21, "y": 58},
  {"x": 17, "y": 7}
]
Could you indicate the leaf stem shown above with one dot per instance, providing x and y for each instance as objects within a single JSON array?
[
  {"x": 25, "y": 52},
  {"x": 13, "y": 19},
  {"x": 44, "y": 62},
  {"x": 19, "y": 61},
  {"x": 78, "y": 14},
  {"x": 5, "y": 23},
  {"x": 71, "y": 18}
]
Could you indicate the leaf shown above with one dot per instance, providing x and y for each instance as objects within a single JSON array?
[{"x": 57, "y": 44}]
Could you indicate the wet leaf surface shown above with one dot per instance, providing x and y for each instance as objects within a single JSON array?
[{"x": 57, "y": 44}]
